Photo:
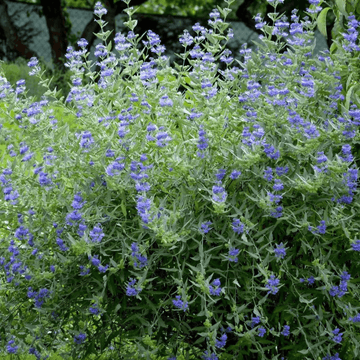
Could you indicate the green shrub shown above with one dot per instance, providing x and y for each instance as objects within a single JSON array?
[
  {"x": 224, "y": 217},
  {"x": 19, "y": 70}
]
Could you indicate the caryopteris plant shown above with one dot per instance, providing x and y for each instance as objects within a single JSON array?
[{"x": 216, "y": 209}]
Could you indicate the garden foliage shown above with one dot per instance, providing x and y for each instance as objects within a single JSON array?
[{"x": 187, "y": 205}]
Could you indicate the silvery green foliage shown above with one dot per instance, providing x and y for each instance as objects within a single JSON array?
[{"x": 199, "y": 206}]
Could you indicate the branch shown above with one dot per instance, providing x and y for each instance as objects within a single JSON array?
[{"x": 55, "y": 21}]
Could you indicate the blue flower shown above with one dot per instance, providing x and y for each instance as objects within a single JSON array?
[
  {"x": 77, "y": 203},
  {"x": 355, "y": 319},
  {"x": 217, "y": 290},
  {"x": 84, "y": 271},
  {"x": 130, "y": 290},
  {"x": 35, "y": 352},
  {"x": 278, "y": 186},
  {"x": 79, "y": 339},
  {"x": 99, "y": 9},
  {"x": 86, "y": 139},
  {"x": 337, "y": 337},
  {"x": 96, "y": 233},
  {"x": 272, "y": 283},
  {"x": 102, "y": 268},
  {"x": 321, "y": 229},
  {"x": 235, "y": 174},
  {"x": 311, "y": 280},
  {"x": 238, "y": 226},
  {"x": 268, "y": 174},
  {"x": 262, "y": 331},
  {"x": 135, "y": 254},
  {"x": 321, "y": 158},
  {"x": 280, "y": 251},
  {"x": 60, "y": 242},
  {"x": 83, "y": 43},
  {"x": 286, "y": 331},
  {"x": 11, "y": 349},
  {"x": 209, "y": 357},
  {"x": 165, "y": 101},
  {"x": 222, "y": 342},
  {"x": 220, "y": 175},
  {"x": 94, "y": 309},
  {"x": 233, "y": 255},
  {"x": 221, "y": 191},
  {"x": 94, "y": 260},
  {"x": 356, "y": 245},
  {"x": 180, "y": 304},
  {"x": 205, "y": 227},
  {"x": 254, "y": 321},
  {"x": 346, "y": 150},
  {"x": 328, "y": 357},
  {"x": 271, "y": 152}
]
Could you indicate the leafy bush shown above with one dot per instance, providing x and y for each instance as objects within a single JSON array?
[
  {"x": 223, "y": 217},
  {"x": 19, "y": 70}
]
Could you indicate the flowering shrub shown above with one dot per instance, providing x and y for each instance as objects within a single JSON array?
[{"x": 136, "y": 211}]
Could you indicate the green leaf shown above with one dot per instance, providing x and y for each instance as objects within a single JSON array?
[
  {"x": 321, "y": 21},
  {"x": 236, "y": 283},
  {"x": 333, "y": 48},
  {"x": 255, "y": 256},
  {"x": 341, "y": 4},
  {"x": 303, "y": 300},
  {"x": 305, "y": 351},
  {"x": 348, "y": 96},
  {"x": 351, "y": 6}
]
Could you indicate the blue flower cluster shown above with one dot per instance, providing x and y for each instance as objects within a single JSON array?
[
  {"x": 205, "y": 227},
  {"x": 310, "y": 280},
  {"x": 96, "y": 262},
  {"x": 340, "y": 290},
  {"x": 208, "y": 356},
  {"x": 141, "y": 260},
  {"x": 219, "y": 193},
  {"x": 286, "y": 331},
  {"x": 280, "y": 251},
  {"x": 355, "y": 319},
  {"x": 203, "y": 141},
  {"x": 9, "y": 193},
  {"x": 233, "y": 253},
  {"x": 79, "y": 339},
  {"x": 320, "y": 229},
  {"x": 131, "y": 290},
  {"x": 337, "y": 336},
  {"x": 180, "y": 304},
  {"x": 278, "y": 186},
  {"x": 215, "y": 288},
  {"x": 356, "y": 245},
  {"x": 94, "y": 309},
  {"x": 272, "y": 285},
  {"x": 10, "y": 348},
  {"x": 39, "y": 296}
]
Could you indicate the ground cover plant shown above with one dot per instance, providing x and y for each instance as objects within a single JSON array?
[{"x": 188, "y": 205}]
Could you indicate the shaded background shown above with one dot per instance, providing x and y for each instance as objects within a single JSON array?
[
  {"x": 45, "y": 28},
  {"x": 32, "y": 29}
]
